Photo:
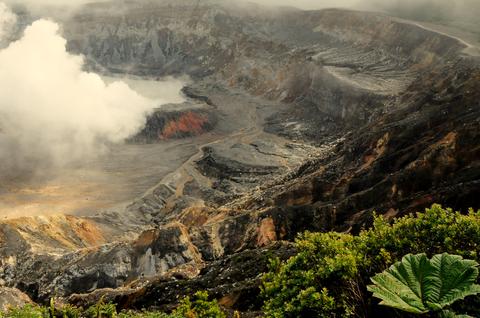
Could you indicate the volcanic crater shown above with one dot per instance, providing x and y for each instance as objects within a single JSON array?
[{"x": 289, "y": 120}]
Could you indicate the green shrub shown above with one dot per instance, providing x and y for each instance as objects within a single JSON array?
[
  {"x": 102, "y": 310},
  {"x": 145, "y": 314},
  {"x": 68, "y": 311},
  {"x": 27, "y": 311},
  {"x": 297, "y": 288},
  {"x": 329, "y": 275},
  {"x": 198, "y": 307}
]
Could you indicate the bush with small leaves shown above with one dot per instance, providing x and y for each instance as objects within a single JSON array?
[
  {"x": 298, "y": 288},
  {"x": 198, "y": 307},
  {"x": 68, "y": 311},
  {"x": 102, "y": 310},
  {"x": 329, "y": 275},
  {"x": 144, "y": 314},
  {"x": 27, "y": 311}
]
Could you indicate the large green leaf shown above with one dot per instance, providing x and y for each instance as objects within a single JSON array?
[{"x": 419, "y": 285}]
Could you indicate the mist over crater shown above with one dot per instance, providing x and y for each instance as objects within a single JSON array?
[{"x": 53, "y": 113}]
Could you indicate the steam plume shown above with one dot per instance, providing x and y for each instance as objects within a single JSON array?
[{"x": 51, "y": 112}]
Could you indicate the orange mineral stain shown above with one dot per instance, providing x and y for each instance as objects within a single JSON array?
[{"x": 189, "y": 122}]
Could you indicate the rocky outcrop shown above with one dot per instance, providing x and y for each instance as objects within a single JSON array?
[
  {"x": 12, "y": 298},
  {"x": 233, "y": 280},
  {"x": 154, "y": 253},
  {"x": 163, "y": 125},
  {"x": 340, "y": 66},
  {"x": 421, "y": 152}
]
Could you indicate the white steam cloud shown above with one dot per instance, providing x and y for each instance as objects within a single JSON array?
[{"x": 52, "y": 112}]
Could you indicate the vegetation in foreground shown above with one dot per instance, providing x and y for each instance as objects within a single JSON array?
[
  {"x": 196, "y": 307},
  {"x": 420, "y": 285},
  {"x": 329, "y": 275},
  {"x": 342, "y": 275}
]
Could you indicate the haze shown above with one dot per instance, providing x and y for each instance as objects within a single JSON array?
[{"x": 53, "y": 113}]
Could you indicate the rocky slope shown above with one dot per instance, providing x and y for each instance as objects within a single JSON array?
[{"x": 307, "y": 121}]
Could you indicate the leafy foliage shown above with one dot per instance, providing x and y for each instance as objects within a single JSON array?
[
  {"x": 295, "y": 285},
  {"x": 68, "y": 311},
  {"x": 102, "y": 310},
  {"x": 146, "y": 314},
  {"x": 196, "y": 307},
  {"x": 28, "y": 311},
  {"x": 451, "y": 314},
  {"x": 329, "y": 275},
  {"x": 419, "y": 285}
]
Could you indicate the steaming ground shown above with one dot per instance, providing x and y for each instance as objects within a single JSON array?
[
  {"x": 122, "y": 175},
  {"x": 156, "y": 90},
  {"x": 52, "y": 113},
  {"x": 62, "y": 129},
  {"x": 119, "y": 175},
  {"x": 107, "y": 180},
  {"x": 96, "y": 172}
]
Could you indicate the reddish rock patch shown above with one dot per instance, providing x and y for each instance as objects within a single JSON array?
[{"x": 189, "y": 123}]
